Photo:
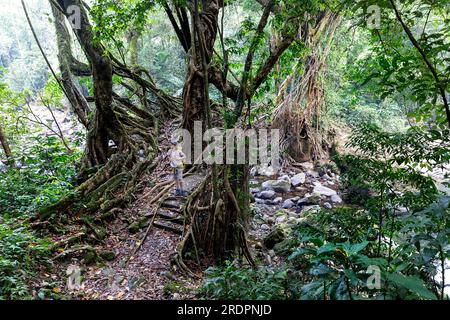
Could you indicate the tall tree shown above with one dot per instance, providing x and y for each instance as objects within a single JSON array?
[
  {"x": 439, "y": 82},
  {"x": 409, "y": 49},
  {"x": 119, "y": 131},
  {"x": 106, "y": 126},
  {"x": 70, "y": 68}
]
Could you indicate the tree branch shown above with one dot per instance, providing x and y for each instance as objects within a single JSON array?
[
  {"x": 250, "y": 55},
  {"x": 427, "y": 61},
  {"x": 179, "y": 30},
  {"x": 79, "y": 68},
  {"x": 267, "y": 67}
]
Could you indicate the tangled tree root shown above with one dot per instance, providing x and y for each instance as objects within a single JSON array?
[
  {"x": 68, "y": 241},
  {"x": 214, "y": 229},
  {"x": 74, "y": 250},
  {"x": 103, "y": 189},
  {"x": 109, "y": 188},
  {"x": 299, "y": 112},
  {"x": 299, "y": 117},
  {"x": 98, "y": 199}
]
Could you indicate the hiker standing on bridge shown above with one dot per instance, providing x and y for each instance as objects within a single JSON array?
[{"x": 177, "y": 159}]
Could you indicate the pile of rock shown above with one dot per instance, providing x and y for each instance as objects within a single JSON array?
[
  {"x": 284, "y": 199},
  {"x": 310, "y": 183}
]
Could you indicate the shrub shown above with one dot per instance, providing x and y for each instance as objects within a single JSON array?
[
  {"x": 232, "y": 282},
  {"x": 47, "y": 173},
  {"x": 21, "y": 253}
]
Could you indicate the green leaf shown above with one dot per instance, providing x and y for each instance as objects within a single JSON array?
[
  {"x": 329, "y": 247},
  {"x": 413, "y": 284},
  {"x": 321, "y": 269},
  {"x": 366, "y": 261},
  {"x": 350, "y": 274},
  {"x": 355, "y": 248},
  {"x": 299, "y": 252}
]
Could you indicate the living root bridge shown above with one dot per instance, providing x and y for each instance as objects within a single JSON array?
[
  {"x": 213, "y": 226},
  {"x": 104, "y": 189},
  {"x": 112, "y": 186},
  {"x": 121, "y": 142}
]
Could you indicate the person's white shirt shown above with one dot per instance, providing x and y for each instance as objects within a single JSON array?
[{"x": 177, "y": 157}]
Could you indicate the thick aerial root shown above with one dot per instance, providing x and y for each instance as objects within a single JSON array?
[
  {"x": 178, "y": 257},
  {"x": 61, "y": 206},
  {"x": 213, "y": 228},
  {"x": 68, "y": 241},
  {"x": 112, "y": 187},
  {"x": 299, "y": 114},
  {"x": 141, "y": 242},
  {"x": 169, "y": 106},
  {"x": 74, "y": 250}
]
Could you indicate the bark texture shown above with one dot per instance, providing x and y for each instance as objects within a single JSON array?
[{"x": 6, "y": 148}]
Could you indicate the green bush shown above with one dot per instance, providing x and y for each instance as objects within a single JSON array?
[
  {"x": 337, "y": 263},
  {"x": 21, "y": 253},
  {"x": 47, "y": 173},
  {"x": 232, "y": 282}
]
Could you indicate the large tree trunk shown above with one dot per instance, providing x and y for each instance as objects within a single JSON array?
[
  {"x": 217, "y": 229},
  {"x": 194, "y": 87},
  {"x": 109, "y": 180},
  {"x": 6, "y": 149},
  {"x": 218, "y": 212},
  {"x": 66, "y": 63},
  {"x": 105, "y": 126}
]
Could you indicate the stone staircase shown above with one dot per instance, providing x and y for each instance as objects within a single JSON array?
[{"x": 169, "y": 216}]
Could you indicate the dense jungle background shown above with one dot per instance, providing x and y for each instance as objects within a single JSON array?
[{"x": 357, "y": 206}]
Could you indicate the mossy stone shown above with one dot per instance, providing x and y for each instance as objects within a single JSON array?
[
  {"x": 108, "y": 255},
  {"x": 90, "y": 257},
  {"x": 134, "y": 227},
  {"x": 274, "y": 237},
  {"x": 144, "y": 222}
]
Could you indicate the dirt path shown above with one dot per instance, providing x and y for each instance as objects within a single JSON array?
[{"x": 149, "y": 274}]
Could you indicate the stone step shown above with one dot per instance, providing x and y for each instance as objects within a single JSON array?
[
  {"x": 167, "y": 226},
  {"x": 171, "y": 205},
  {"x": 168, "y": 216}
]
